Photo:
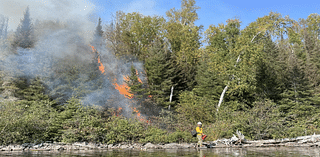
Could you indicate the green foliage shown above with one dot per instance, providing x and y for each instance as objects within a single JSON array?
[
  {"x": 154, "y": 135},
  {"x": 27, "y": 120},
  {"x": 271, "y": 69},
  {"x": 160, "y": 73},
  {"x": 196, "y": 108},
  {"x": 135, "y": 84},
  {"x": 80, "y": 123},
  {"x": 121, "y": 129},
  {"x": 24, "y": 36}
]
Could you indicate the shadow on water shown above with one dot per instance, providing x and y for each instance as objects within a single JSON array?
[{"x": 215, "y": 152}]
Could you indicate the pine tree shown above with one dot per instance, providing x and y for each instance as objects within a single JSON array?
[
  {"x": 24, "y": 34},
  {"x": 3, "y": 27},
  {"x": 33, "y": 93},
  {"x": 99, "y": 31},
  {"x": 184, "y": 38},
  {"x": 297, "y": 98},
  {"x": 269, "y": 71},
  {"x": 136, "y": 87},
  {"x": 208, "y": 83},
  {"x": 98, "y": 36},
  {"x": 160, "y": 71}
]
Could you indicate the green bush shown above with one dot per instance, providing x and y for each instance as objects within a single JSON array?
[
  {"x": 154, "y": 135},
  {"x": 181, "y": 136},
  {"x": 81, "y": 123},
  {"x": 121, "y": 129}
]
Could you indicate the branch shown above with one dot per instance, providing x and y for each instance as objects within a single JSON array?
[
  {"x": 3, "y": 128},
  {"x": 255, "y": 36}
]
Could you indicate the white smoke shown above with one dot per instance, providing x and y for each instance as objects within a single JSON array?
[
  {"x": 45, "y": 10},
  {"x": 63, "y": 34}
]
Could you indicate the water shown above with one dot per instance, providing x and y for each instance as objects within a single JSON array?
[{"x": 215, "y": 152}]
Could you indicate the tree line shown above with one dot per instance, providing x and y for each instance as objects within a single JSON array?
[{"x": 262, "y": 80}]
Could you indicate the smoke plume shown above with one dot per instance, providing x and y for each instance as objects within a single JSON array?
[{"x": 62, "y": 56}]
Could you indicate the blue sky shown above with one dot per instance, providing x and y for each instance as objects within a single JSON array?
[{"x": 212, "y": 11}]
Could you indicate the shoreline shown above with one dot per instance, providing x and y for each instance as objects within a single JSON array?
[
  {"x": 234, "y": 142},
  {"x": 304, "y": 141}
]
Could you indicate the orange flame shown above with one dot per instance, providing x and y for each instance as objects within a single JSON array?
[
  {"x": 139, "y": 116},
  {"x": 101, "y": 67},
  {"x": 138, "y": 76},
  {"x": 123, "y": 89}
]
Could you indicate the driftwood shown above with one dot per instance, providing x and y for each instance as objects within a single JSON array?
[{"x": 240, "y": 141}]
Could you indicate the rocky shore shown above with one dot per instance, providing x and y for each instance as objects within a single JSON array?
[
  {"x": 90, "y": 146},
  {"x": 240, "y": 141}
]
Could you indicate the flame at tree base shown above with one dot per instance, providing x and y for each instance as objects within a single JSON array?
[{"x": 123, "y": 89}]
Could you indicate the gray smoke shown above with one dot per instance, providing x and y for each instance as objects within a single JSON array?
[{"x": 63, "y": 40}]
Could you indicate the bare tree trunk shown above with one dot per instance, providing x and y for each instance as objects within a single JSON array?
[
  {"x": 222, "y": 95},
  {"x": 171, "y": 94},
  {"x": 226, "y": 88}
]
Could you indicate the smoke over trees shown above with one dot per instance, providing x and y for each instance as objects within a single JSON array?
[
  {"x": 3, "y": 27},
  {"x": 24, "y": 34},
  {"x": 270, "y": 69}
]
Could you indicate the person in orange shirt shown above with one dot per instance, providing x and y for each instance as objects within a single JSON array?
[{"x": 199, "y": 133}]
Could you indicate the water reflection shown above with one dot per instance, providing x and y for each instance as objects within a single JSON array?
[{"x": 214, "y": 152}]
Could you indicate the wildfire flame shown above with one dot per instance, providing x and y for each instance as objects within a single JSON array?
[
  {"x": 101, "y": 67},
  {"x": 138, "y": 76},
  {"x": 139, "y": 116},
  {"x": 123, "y": 89}
]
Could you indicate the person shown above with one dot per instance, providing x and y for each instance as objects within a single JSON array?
[{"x": 199, "y": 133}]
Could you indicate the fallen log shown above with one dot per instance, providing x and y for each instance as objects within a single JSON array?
[{"x": 301, "y": 141}]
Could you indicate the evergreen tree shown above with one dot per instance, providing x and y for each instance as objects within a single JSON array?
[
  {"x": 98, "y": 35},
  {"x": 269, "y": 71},
  {"x": 208, "y": 83},
  {"x": 136, "y": 87},
  {"x": 184, "y": 38},
  {"x": 32, "y": 93},
  {"x": 99, "y": 31},
  {"x": 24, "y": 34},
  {"x": 160, "y": 71},
  {"x": 3, "y": 27}
]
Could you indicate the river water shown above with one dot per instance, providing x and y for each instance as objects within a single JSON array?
[{"x": 214, "y": 152}]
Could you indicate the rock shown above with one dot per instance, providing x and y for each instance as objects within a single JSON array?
[
  {"x": 211, "y": 145},
  {"x": 80, "y": 144},
  {"x": 124, "y": 146},
  {"x": 6, "y": 148},
  {"x": 37, "y": 146},
  {"x": 17, "y": 148},
  {"x": 172, "y": 146},
  {"x": 26, "y": 145},
  {"x": 152, "y": 146},
  {"x": 110, "y": 146},
  {"x": 186, "y": 145},
  {"x": 91, "y": 146},
  {"x": 58, "y": 147}
]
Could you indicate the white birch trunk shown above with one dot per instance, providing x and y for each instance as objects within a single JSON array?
[
  {"x": 226, "y": 88},
  {"x": 171, "y": 94}
]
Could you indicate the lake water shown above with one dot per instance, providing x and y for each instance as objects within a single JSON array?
[{"x": 214, "y": 152}]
